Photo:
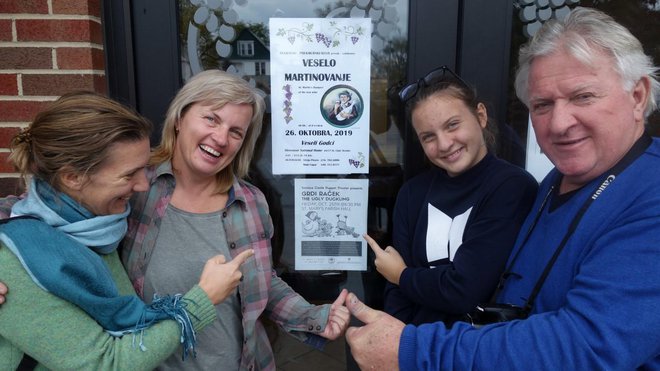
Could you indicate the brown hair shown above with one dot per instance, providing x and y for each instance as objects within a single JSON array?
[
  {"x": 74, "y": 133},
  {"x": 452, "y": 87}
]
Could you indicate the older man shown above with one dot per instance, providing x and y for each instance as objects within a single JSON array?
[{"x": 584, "y": 273}]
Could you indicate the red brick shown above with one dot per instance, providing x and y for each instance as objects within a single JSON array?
[
  {"x": 5, "y": 165},
  {"x": 5, "y": 30},
  {"x": 24, "y": 58},
  {"x": 6, "y": 134},
  {"x": 8, "y": 84},
  {"x": 24, "y": 6},
  {"x": 11, "y": 186},
  {"x": 59, "y": 30},
  {"x": 100, "y": 84},
  {"x": 80, "y": 59},
  {"x": 80, "y": 7},
  {"x": 57, "y": 85},
  {"x": 20, "y": 110}
]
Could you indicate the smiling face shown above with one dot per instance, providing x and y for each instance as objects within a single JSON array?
[
  {"x": 208, "y": 139},
  {"x": 108, "y": 190},
  {"x": 450, "y": 133},
  {"x": 584, "y": 120}
]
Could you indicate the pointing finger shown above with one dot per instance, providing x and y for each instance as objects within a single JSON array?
[
  {"x": 375, "y": 247},
  {"x": 242, "y": 257}
]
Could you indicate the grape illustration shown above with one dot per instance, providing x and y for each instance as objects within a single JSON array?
[{"x": 321, "y": 38}]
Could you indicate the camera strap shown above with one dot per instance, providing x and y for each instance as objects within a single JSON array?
[{"x": 637, "y": 150}]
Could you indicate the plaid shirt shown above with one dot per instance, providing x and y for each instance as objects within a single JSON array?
[{"x": 247, "y": 224}]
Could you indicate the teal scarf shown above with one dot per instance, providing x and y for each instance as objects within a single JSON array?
[{"x": 58, "y": 242}]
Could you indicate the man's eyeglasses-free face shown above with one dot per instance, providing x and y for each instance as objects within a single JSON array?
[{"x": 410, "y": 90}]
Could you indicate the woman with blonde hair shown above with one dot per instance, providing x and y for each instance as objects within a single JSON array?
[{"x": 199, "y": 202}]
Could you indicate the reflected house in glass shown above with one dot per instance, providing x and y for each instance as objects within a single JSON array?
[{"x": 251, "y": 57}]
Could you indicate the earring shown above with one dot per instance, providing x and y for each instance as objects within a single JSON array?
[{"x": 176, "y": 130}]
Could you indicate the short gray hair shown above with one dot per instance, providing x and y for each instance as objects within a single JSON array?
[{"x": 582, "y": 32}]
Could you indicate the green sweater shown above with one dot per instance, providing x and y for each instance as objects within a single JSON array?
[{"x": 60, "y": 336}]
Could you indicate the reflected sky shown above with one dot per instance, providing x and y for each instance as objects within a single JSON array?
[{"x": 259, "y": 11}]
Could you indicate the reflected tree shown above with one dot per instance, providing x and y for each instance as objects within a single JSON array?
[
  {"x": 205, "y": 42},
  {"x": 391, "y": 62},
  {"x": 332, "y": 7}
]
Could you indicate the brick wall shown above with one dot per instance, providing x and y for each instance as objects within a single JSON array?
[{"x": 47, "y": 47}]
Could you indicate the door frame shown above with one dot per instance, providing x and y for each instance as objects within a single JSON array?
[{"x": 472, "y": 37}]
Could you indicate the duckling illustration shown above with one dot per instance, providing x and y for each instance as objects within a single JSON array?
[{"x": 342, "y": 227}]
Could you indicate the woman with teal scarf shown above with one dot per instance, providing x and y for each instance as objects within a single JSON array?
[{"x": 72, "y": 305}]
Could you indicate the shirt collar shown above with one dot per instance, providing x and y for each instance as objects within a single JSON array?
[
  {"x": 237, "y": 192},
  {"x": 164, "y": 168}
]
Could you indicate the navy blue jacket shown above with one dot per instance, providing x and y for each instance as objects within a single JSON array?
[{"x": 471, "y": 222}]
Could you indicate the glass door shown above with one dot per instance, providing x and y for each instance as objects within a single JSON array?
[
  {"x": 234, "y": 36},
  {"x": 152, "y": 47}
]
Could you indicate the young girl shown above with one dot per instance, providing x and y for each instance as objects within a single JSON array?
[{"x": 455, "y": 224}]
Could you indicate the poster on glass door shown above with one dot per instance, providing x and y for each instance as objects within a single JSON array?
[
  {"x": 331, "y": 218},
  {"x": 320, "y": 95}
]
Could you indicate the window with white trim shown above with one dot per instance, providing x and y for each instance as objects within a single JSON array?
[
  {"x": 246, "y": 48},
  {"x": 260, "y": 68}
]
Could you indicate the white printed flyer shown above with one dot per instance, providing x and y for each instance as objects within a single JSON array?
[
  {"x": 331, "y": 217},
  {"x": 320, "y": 95}
]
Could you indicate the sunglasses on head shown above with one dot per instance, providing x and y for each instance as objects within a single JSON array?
[{"x": 410, "y": 90}]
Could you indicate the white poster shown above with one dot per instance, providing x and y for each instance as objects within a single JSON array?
[
  {"x": 320, "y": 95},
  {"x": 537, "y": 163},
  {"x": 331, "y": 217}
]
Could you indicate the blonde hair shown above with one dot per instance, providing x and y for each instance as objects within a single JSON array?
[
  {"x": 74, "y": 134},
  {"x": 214, "y": 88}
]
